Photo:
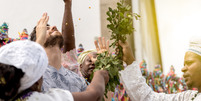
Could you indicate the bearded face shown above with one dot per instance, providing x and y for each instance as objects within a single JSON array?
[
  {"x": 54, "y": 37},
  {"x": 53, "y": 40}
]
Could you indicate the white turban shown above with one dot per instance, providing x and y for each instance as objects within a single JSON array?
[
  {"x": 83, "y": 55},
  {"x": 195, "y": 45},
  {"x": 28, "y": 56}
]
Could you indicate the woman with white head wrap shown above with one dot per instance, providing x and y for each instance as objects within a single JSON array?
[
  {"x": 86, "y": 64},
  {"x": 22, "y": 64}
]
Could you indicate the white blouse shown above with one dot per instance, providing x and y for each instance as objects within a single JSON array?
[
  {"x": 137, "y": 89},
  {"x": 52, "y": 95}
]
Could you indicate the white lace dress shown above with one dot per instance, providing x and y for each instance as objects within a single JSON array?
[{"x": 137, "y": 89}]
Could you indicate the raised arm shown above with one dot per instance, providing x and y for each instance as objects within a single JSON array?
[{"x": 68, "y": 28}]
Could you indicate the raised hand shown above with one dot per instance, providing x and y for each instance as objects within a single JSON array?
[
  {"x": 41, "y": 29},
  {"x": 103, "y": 47},
  {"x": 127, "y": 53},
  {"x": 67, "y": 1}
]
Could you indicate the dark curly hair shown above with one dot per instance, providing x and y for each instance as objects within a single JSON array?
[{"x": 10, "y": 78}]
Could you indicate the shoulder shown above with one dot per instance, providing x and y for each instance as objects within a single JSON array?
[
  {"x": 52, "y": 95},
  {"x": 75, "y": 75},
  {"x": 70, "y": 72}
]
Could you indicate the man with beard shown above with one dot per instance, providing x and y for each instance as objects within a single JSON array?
[{"x": 56, "y": 76}]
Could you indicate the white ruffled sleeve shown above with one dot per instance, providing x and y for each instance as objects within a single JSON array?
[{"x": 137, "y": 89}]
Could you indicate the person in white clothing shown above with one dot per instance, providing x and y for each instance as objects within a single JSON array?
[
  {"x": 22, "y": 65},
  {"x": 137, "y": 89}
]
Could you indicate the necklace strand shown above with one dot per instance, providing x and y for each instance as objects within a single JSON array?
[{"x": 194, "y": 96}]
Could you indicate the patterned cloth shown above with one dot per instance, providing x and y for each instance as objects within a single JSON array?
[
  {"x": 69, "y": 61},
  {"x": 137, "y": 89},
  {"x": 120, "y": 94},
  {"x": 63, "y": 79}
]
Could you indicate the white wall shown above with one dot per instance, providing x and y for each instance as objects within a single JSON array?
[
  {"x": 137, "y": 34},
  {"x": 22, "y": 14},
  {"x": 178, "y": 20}
]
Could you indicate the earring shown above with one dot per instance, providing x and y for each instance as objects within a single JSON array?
[
  {"x": 2, "y": 80},
  {"x": 38, "y": 88}
]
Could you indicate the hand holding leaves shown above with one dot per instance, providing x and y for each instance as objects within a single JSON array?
[
  {"x": 127, "y": 52},
  {"x": 120, "y": 25}
]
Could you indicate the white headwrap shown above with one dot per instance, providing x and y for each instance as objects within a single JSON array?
[
  {"x": 195, "y": 45},
  {"x": 83, "y": 55},
  {"x": 28, "y": 56}
]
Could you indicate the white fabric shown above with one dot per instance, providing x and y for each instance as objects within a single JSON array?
[
  {"x": 28, "y": 56},
  {"x": 137, "y": 89},
  {"x": 52, "y": 95},
  {"x": 195, "y": 45},
  {"x": 83, "y": 55}
]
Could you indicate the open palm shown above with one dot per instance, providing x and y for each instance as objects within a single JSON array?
[{"x": 104, "y": 46}]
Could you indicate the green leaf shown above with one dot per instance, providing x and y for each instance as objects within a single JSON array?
[
  {"x": 110, "y": 9},
  {"x": 95, "y": 70},
  {"x": 108, "y": 26},
  {"x": 103, "y": 62},
  {"x": 111, "y": 75},
  {"x": 128, "y": 7},
  {"x": 108, "y": 13},
  {"x": 108, "y": 66},
  {"x": 109, "y": 19},
  {"x": 118, "y": 4},
  {"x": 115, "y": 62},
  {"x": 121, "y": 14}
]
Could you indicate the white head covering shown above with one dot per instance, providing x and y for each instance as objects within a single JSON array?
[
  {"x": 28, "y": 56},
  {"x": 195, "y": 45},
  {"x": 83, "y": 55}
]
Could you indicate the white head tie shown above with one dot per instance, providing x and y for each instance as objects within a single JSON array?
[
  {"x": 195, "y": 45},
  {"x": 83, "y": 55},
  {"x": 28, "y": 56}
]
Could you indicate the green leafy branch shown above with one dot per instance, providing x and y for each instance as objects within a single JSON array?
[
  {"x": 121, "y": 24},
  {"x": 106, "y": 61}
]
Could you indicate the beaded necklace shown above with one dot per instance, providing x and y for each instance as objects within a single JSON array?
[
  {"x": 86, "y": 81},
  {"x": 194, "y": 96}
]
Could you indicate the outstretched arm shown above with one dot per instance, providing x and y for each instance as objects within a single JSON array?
[
  {"x": 95, "y": 90},
  {"x": 68, "y": 28},
  {"x": 135, "y": 84}
]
